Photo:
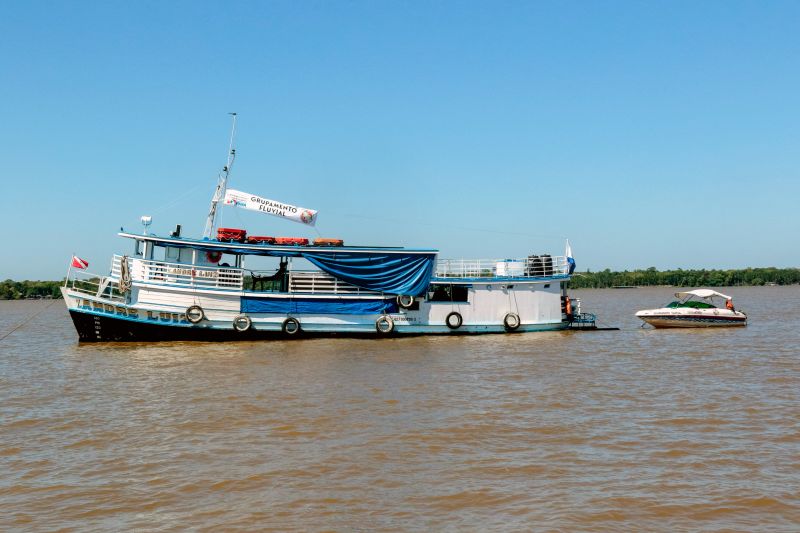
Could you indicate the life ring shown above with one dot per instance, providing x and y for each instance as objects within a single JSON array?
[
  {"x": 511, "y": 321},
  {"x": 291, "y": 326},
  {"x": 405, "y": 301},
  {"x": 195, "y": 314},
  {"x": 242, "y": 323},
  {"x": 213, "y": 256},
  {"x": 454, "y": 320},
  {"x": 384, "y": 324}
]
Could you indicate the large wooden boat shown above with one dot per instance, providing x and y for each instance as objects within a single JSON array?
[{"x": 217, "y": 288}]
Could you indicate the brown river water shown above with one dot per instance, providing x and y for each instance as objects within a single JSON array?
[{"x": 631, "y": 430}]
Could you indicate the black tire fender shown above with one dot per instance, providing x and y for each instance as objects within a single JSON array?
[
  {"x": 291, "y": 326},
  {"x": 195, "y": 314},
  {"x": 511, "y": 321},
  {"x": 242, "y": 323},
  {"x": 454, "y": 320},
  {"x": 384, "y": 324},
  {"x": 405, "y": 301}
]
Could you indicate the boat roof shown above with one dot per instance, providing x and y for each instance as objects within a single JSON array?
[
  {"x": 267, "y": 249},
  {"x": 702, "y": 293}
]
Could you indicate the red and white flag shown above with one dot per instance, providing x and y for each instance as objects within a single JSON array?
[{"x": 77, "y": 262}]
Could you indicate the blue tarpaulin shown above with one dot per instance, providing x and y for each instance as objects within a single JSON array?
[
  {"x": 320, "y": 306},
  {"x": 391, "y": 273}
]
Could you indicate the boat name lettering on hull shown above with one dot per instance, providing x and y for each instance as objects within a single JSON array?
[{"x": 211, "y": 274}]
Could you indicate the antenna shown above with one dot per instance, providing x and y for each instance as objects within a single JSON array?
[
  {"x": 222, "y": 183},
  {"x": 146, "y": 221}
]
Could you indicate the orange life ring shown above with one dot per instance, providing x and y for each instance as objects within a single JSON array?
[{"x": 213, "y": 257}]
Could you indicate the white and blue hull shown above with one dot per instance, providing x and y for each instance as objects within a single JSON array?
[{"x": 159, "y": 313}]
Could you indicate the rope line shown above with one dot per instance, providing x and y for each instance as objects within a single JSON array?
[
  {"x": 177, "y": 199},
  {"x": 27, "y": 320}
]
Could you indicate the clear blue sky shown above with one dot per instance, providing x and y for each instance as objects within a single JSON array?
[{"x": 659, "y": 134}]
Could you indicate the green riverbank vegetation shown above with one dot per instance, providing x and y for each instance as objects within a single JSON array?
[
  {"x": 29, "y": 290},
  {"x": 685, "y": 278}
]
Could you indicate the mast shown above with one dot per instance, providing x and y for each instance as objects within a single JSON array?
[{"x": 222, "y": 182}]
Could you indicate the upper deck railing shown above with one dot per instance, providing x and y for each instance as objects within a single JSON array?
[
  {"x": 314, "y": 282},
  {"x": 317, "y": 282},
  {"x": 180, "y": 274},
  {"x": 204, "y": 277},
  {"x": 542, "y": 266}
]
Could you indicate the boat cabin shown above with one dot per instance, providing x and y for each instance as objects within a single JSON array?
[{"x": 309, "y": 268}]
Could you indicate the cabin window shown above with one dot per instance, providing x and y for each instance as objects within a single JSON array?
[
  {"x": 229, "y": 261},
  {"x": 438, "y": 292},
  {"x": 138, "y": 248}
]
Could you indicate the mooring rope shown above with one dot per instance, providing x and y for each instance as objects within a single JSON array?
[
  {"x": 124, "y": 284},
  {"x": 27, "y": 320}
]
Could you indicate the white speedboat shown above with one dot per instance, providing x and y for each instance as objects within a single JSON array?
[{"x": 695, "y": 309}]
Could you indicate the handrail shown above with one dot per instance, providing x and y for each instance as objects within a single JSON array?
[
  {"x": 205, "y": 277},
  {"x": 143, "y": 270},
  {"x": 318, "y": 282},
  {"x": 543, "y": 266},
  {"x": 94, "y": 285}
]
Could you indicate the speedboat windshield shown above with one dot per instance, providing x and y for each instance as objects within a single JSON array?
[{"x": 693, "y": 304}]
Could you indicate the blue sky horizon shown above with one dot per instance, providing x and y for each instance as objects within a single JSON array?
[{"x": 663, "y": 135}]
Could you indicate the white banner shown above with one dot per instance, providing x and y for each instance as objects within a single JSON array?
[{"x": 270, "y": 207}]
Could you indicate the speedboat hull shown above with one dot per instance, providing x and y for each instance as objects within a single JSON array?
[{"x": 692, "y": 318}]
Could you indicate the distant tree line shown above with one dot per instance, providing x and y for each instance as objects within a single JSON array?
[
  {"x": 685, "y": 278},
  {"x": 22, "y": 290}
]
